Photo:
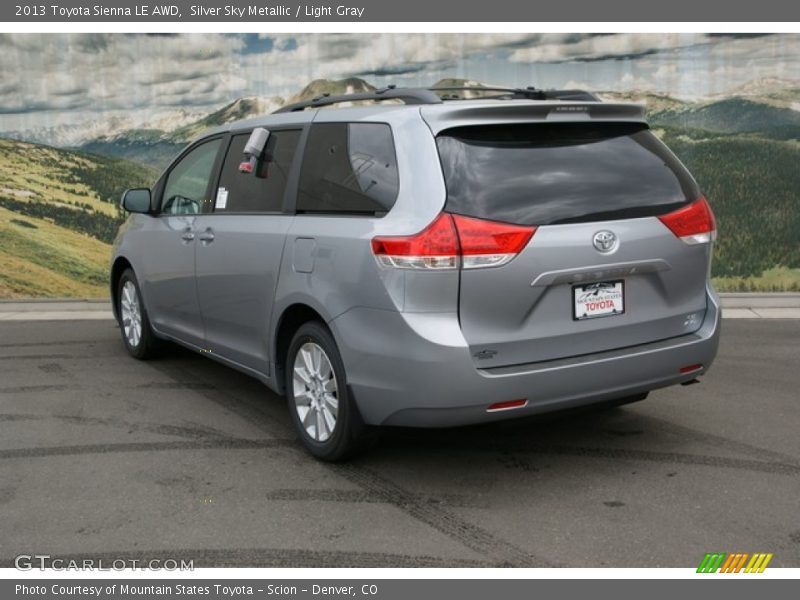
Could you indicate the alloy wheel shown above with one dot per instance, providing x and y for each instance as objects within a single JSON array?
[
  {"x": 316, "y": 393},
  {"x": 131, "y": 314}
]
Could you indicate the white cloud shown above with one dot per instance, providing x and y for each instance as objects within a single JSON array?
[
  {"x": 341, "y": 55},
  {"x": 614, "y": 46},
  {"x": 55, "y": 77},
  {"x": 115, "y": 71}
]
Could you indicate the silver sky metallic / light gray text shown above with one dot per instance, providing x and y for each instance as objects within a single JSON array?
[{"x": 240, "y": 12}]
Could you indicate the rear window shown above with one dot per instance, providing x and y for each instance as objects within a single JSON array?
[{"x": 545, "y": 173}]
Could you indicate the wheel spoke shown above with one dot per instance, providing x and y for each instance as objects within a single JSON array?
[
  {"x": 302, "y": 397},
  {"x": 316, "y": 359},
  {"x": 301, "y": 374},
  {"x": 305, "y": 355},
  {"x": 324, "y": 371},
  {"x": 329, "y": 385},
  {"x": 333, "y": 402},
  {"x": 322, "y": 433},
  {"x": 329, "y": 418},
  {"x": 306, "y": 418}
]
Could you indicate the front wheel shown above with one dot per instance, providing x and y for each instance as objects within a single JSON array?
[
  {"x": 137, "y": 335},
  {"x": 319, "y": 402}
]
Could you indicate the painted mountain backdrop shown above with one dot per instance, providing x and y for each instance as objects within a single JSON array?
[{"x": 64, "y": 165}]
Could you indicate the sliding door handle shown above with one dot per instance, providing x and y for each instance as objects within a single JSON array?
[{"x": 207, "y": 236}]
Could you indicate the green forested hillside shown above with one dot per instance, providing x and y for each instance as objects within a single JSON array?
[
  {"x": 58, "y": 208},
  {"x": 58, "y": 216},
  {"x": 753, "y": 185},
  {"x": 732, "y": 115},
  {"x": 155, "y": 154}
]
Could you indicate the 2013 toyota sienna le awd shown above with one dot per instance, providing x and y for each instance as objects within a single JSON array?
[{"x": 426, "y": 262}]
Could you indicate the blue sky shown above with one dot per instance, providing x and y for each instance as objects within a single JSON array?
[{"x": 62, "y": 79}]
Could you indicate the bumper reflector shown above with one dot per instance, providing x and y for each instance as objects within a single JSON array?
[
  {"x": 690, "y": 368},
  {"x": 508, "y": 404}
]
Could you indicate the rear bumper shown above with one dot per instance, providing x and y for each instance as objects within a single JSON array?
[{"x": 415, "y": 369}]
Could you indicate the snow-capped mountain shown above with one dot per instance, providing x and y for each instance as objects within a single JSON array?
[
  {"x": 154, "y": 138},
  {"x": 765, "y": 86},
  {"x": 318, "y": 87},
  {"x": 243, "y": 108},
  {"x": 106, "y": 126}
]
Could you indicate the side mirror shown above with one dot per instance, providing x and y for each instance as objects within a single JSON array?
[{"x": 136, "y": 200}]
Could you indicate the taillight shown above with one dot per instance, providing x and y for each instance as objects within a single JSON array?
[
  {"x": 489, "y": 243},
  {"x": 694, "y": 224},
  {"x": 435, "y": 247},
  {"x": 452, "y": 241}
]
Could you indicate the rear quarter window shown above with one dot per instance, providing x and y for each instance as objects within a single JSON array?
[
  {"x": 545, "y": 173},
  {"x": 348, "y": 168}
]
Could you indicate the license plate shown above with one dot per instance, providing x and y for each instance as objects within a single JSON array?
[{"x": 602, "y": 299}]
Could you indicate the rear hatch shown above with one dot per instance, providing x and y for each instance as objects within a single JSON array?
[{"x": 621, "y": 246}]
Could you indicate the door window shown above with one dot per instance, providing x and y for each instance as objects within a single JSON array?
[
  {"x": 185, "y": 190},
  {"x": 261, "y": 191}
]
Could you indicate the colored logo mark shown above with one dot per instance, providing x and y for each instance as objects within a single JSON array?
[{"x": 739, "y": 562}]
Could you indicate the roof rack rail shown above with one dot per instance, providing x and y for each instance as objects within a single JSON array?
[
  {"x": 430, "y": 96},
  {"x": 529, "y": 93},
  {"x": 406, "y": 95}
]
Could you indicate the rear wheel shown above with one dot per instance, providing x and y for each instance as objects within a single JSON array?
[
  {"x": 137, "y": 335},
  {"x": 322, "y": 410}
]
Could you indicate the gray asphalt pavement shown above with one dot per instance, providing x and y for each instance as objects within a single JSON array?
[{"x": 103, "y": 456}]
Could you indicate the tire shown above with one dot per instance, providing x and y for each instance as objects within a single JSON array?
[
  {"x": 322, "y": 411},
  {"x": 134, "y": 324}
]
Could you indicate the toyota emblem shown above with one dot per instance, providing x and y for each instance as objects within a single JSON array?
[{"x": 605, "y": 241}]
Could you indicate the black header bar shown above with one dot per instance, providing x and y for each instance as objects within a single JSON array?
[{"x": 245, "y": 11}]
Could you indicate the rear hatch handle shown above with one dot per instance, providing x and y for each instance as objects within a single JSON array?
[{"x": 600, "y": 272}]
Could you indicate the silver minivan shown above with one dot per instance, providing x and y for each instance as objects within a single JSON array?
[{"x": 428, "y": 261}]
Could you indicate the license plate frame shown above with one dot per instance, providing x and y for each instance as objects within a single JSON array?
[{"x": 607, "y": 291}]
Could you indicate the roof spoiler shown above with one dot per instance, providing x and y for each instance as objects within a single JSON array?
[{"x": 453, "y": 115}]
